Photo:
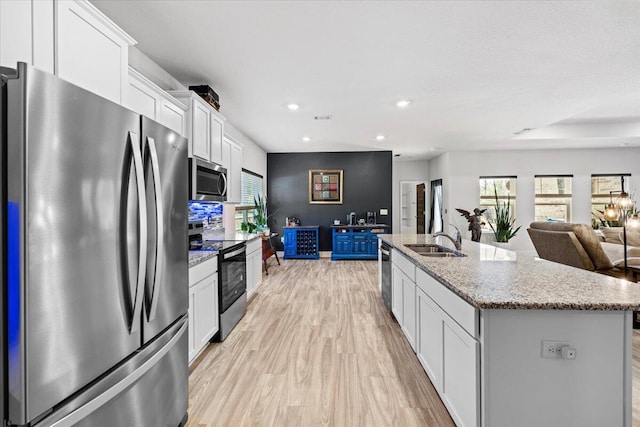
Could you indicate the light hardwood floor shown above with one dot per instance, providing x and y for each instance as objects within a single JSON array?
[{"x": 317, "y": 347}]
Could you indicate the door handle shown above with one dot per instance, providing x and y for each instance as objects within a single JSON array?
[
  {"x": 224, "y": 190},
  {"x": 142, "y": 219},
  {"x": 154, "y": 291},
  {"x": 386, "y": 253}
]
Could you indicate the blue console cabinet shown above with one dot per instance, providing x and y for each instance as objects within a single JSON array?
[
  {"x": 356, "y": 241},
  {"x": 301, "y": 242}
]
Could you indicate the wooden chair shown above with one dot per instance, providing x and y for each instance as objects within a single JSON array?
[{"x": 268, "y": 249}]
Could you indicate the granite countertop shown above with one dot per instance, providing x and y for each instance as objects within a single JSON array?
[
  {"x": 494, "y": 278},
  {"x": 196, "y": 257}
]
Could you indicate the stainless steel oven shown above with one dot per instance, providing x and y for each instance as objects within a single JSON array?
[
  {"x": 207, "y": 181},
  {"x": 232, "y": 286}
]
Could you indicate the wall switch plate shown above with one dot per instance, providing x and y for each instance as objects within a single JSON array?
[
  {"x": 554, "y": 349},
  {"x": 384, "y": 212}
]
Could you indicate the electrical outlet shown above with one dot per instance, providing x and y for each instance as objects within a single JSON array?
[{"x": 553, "y": 349}]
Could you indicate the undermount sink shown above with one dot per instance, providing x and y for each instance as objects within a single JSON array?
[{"x": 436, "y": 251}]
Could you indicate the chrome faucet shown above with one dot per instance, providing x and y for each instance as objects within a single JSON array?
[{"x": 457, "y": 241}]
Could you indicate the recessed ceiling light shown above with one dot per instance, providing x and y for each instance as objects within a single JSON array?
[
  {"x": 380, "y": 137},
  {"x": 293, "y": 107},
  {"x": 434, "y": 148},
  {"x": 403, "y": 103},
  {"x": 306, "y": 139}
]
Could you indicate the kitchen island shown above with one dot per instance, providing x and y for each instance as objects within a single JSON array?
[{"x": 508, "y": 339}]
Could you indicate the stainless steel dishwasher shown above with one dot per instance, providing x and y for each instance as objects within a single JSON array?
[{"x": 385, "y": 256}]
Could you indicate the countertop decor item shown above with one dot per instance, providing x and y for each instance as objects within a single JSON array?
[
  {"x": 505, "y": 223},
  {"x": 475, "y": 226},
  {"x": 325, "y": 186}
]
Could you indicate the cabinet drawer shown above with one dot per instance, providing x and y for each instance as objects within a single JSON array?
[
  {"x": 254, "y": 245},
  {"x": 459, "y": 310},
  {"x": 202, "y": 270},
  {"x": 404, "y": 264}
]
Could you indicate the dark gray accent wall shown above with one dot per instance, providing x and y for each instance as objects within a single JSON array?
[{"x": 367, "y": 187}]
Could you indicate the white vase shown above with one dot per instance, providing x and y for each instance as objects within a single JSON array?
[{"x": 503, "y": 245}]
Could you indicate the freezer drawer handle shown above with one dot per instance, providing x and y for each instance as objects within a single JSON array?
[
  {"x": 154, "y": 288},
  {"x": 142, "y": 218},
  {"x": 234, "y": 253},
  {"x": 95, "y": 404}
]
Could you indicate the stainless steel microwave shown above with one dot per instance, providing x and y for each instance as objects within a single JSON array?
[{"x": 207, "y": 181}]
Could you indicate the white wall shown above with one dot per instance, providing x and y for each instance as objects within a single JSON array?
[
  {"x": 405, "y": 170},
  {"x": 460, "y": 172}
]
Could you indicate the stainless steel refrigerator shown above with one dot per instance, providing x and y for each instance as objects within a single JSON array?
[{"x": 94, "y": 252}]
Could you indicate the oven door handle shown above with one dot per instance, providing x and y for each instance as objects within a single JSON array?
[
  {"x": 384, "y": 252},
  {"x": 234, "y": 253}
]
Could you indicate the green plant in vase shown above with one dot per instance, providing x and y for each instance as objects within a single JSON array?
[
  {"x": 260, "y": 204},
  {"x": 504, "y": 223},
  {"x": 248, "y": 227}
]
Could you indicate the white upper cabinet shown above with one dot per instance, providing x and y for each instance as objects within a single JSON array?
[
  {"x": 205, "y": 127},
  {"x": 232, "y": 160},
  {"x": 148, "y": 99},
  {"x": 26, "y": 33},
  {"x": 217, "y": 134},
  {"x": 91, "y": 51}
]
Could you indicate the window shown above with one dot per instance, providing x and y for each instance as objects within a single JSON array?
[
  {"x": 504, "y": 187},
  {"x": 553, "y": 198},
  {"x": 601, "y": 185},
  {"x": 251, "y": 187}
]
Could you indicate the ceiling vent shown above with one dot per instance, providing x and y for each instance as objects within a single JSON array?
[
  {"x": 327, "y": 117},
  {"x": 525, "y": 130}
]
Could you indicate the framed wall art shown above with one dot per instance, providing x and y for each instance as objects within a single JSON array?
[{"x": 325, "y": 186}]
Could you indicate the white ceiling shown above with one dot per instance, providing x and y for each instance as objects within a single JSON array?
[{"x": 475, "y": 72}]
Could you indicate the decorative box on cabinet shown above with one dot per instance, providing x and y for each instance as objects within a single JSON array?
[
  {"x": 301, "y": 242},
  {"x": 148, "y": 99},
  {"x": 356, "y": 241}
]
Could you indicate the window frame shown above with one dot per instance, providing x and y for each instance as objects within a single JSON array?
[{"x": 558, "y": 196}]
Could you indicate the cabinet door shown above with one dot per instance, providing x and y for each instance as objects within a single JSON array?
[
  {"x": 429, "y": 321},
  {"x": 409, "y": 310},
  {"x": 193, "y": 349},
  {"x": 460, "y": 374},
  {"x": 251, "y": 275},
  {"x": 360, "y": 244},
  {"x": 373, "y": 244},
  {"x": 217, "y": 134},
  {"x": 396, "y": 294},
  {"x": 206, "y": 310},
  {"x": 140, "y": 98},
  {"x": 91, "y": 51},
  {"x": 343, "y": 244},
  {"x": 234, "y": 191},
  {"x": 172, "y": 116},
  {"x": 200, "y": 130},
  {"x": 289, "y": 243},
  {"x": 225, "y": 159}
]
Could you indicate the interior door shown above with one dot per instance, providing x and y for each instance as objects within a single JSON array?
[
  {"x": 73, "y": 179},
  {"x": 166, "y": 177},
  {"x": 420, "y": 208}
]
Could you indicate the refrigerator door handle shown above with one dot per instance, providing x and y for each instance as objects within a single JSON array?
[
  {"x": 154, "y": 292},
  {"x": 142, "y": 218}
]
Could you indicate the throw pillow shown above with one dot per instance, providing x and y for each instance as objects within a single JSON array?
[{"x": 612, "y": 234}]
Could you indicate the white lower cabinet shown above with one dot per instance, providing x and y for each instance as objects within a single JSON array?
[
  {"x": 429, "y": 337},
  {"x": 449, "y": 353},
  {"x": 460, "y": 374},
  {"x": 203, "y": 305},
  {"x": 254, "y": 265},
  {"x": 409, "y": 310}
]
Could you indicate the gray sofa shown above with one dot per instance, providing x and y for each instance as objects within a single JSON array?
[{"x": 578, "y": 245}]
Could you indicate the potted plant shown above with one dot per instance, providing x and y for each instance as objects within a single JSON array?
[
  {"x": 261, "y": 217},
  {"x": 504, "y": 223}
]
